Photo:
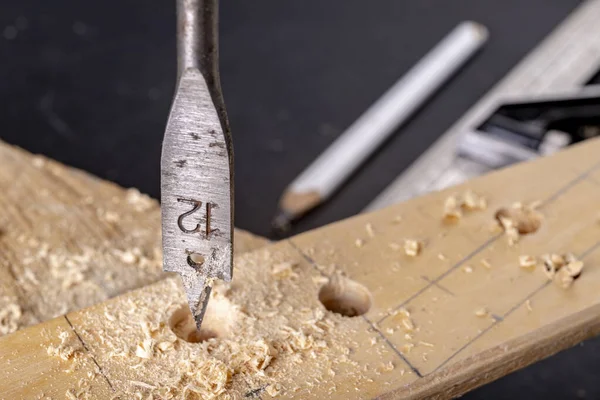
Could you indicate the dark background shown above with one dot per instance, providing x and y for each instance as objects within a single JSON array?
[{"x": 89, "y": 83}]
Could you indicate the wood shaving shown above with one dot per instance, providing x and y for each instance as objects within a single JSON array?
[
  {"x": 408, "y": 325},
  {"x": 145, "y": 349},
  {"x": 252, "y": 342},
  {"x": 359, "y": 243},
  {"x": 518, "y": 220},
  {"x": 468, "y": 269},
  {"x": 387, "y": 367},
  {"x": 455, "y": 205},
  {"x": 370, "y": 230},
  {"x": 452, "y": 211},
  {"x": 552, "y": 263},
  {"x": 527, "y": 262},
  {"x": 412, "y": 247},
  {"x": 284, "y": 270},
  {"x": 68, "y": 348},
  {"x": 407, "y": 348},
  {"x": 528, "y": 305},
  {"x": 568, "y": 273},
  {"x": 510, "y": 230},
  {"x": 563, "y": 269},
  {"x": 78, "y": 253},
  {"x": 472, "y": 201},
  {"x": 486, "y": 263},
  {"x": 442, "y": 257},
  {"x": 481, "y": 312}
]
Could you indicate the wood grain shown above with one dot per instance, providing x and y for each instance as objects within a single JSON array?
[
  {"x": 443, "y": 351},
  {"x": 69, "y": 240}
]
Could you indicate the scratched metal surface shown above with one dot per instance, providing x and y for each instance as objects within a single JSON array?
[{"x": 196, "y": 193}]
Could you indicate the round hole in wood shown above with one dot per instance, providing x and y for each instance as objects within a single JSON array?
[
  {"x": 345, "y": 296},
  {"x": 216, "y": 324},
  {"x": 525, "y": 220}
]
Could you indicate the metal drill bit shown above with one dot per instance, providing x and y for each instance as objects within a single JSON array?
[{"x": 197, "y": 162}]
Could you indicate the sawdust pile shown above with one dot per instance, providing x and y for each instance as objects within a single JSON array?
[
  {"x": 255, "y": 338},
  {"x": 70, "y": 241}
]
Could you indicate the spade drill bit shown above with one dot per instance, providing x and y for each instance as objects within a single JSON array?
[{"x": 197, "y": 162}]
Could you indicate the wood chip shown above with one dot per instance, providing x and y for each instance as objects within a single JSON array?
[
  {"x": 528, "y": 305},
  {"x": 455, "y": 205},
  {"x": 527, "y": 262},
  {"x": 472, "y": 201},
  {"x": 284, "y": 270},
  {"x": 452, "y": 212},
  {"x": 412, "y": 247},
  {"x": 481, "y": 312},
  {"x": 370, "y": 230}
]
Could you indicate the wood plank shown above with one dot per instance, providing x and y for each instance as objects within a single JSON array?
[
  {"x": 459, "y": 314},
  {"x": 69, "y": 240}
]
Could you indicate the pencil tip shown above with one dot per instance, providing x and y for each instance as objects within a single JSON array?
[{"x": 281, "y": 223}]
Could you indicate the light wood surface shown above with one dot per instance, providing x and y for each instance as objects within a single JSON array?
[
  {"x": 69, "y": 240},
  {"x": 423, "y": 336}
]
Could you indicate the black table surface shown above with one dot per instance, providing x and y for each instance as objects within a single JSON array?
[{"x": 89, "y": 83}]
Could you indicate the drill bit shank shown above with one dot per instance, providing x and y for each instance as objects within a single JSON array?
[{"x": 196, "y": 164}]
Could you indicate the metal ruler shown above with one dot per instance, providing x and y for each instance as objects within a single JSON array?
[{"x": 568, "y": 58}]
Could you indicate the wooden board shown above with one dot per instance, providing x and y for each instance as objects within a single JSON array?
[
  {"x": 69, "y": 240},
  {"x": 422, "y": 334}
]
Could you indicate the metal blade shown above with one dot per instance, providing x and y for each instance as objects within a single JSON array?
[{"x": 196, "y": 192}]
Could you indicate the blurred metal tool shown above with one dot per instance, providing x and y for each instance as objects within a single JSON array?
[
  {"x": 197, "y": 162},
  {"x": 329, "y": 171},
  {"x": 554, "y": 71}
]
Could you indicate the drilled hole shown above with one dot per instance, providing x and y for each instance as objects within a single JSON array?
[
  {"x": 216, "y": 324},
  {"x": 346, "y": 297},
  {"x": 524, "y": 219},
  {"x": 195, "y": 259}
]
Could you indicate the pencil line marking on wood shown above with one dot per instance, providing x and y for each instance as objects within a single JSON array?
[
  {"x": 433, "y": 282},
  {"x": 585, "y": 174},
  {"x": 398, "y": 353},
  {"x": 514, "y": 308},
  {"x": 442, "y": 288},
  {"x": 368, "y": 321},
  {"x": 87, "y": 350}
]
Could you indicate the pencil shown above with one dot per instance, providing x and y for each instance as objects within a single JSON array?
[{"x": 321, "y": 179}]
